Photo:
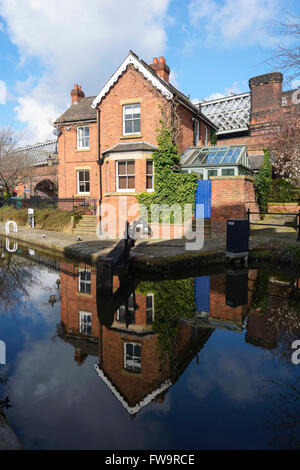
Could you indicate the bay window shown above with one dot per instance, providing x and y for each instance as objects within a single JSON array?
[
  {"x": 149, "y": 175},
  {"x": 125, "y": 175}
]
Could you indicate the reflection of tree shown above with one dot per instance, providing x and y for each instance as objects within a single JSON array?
[
  {"x": 16, "y": 275},
  {"x": 284, "y": 420},
  {"x": 284, "y": 316}
]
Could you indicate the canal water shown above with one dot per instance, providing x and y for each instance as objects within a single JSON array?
[{"x": 202, "y": 361}]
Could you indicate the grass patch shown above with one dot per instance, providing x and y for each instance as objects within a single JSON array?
[{"x": 47, "y": 219}]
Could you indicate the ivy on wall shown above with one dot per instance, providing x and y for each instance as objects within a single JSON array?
[
  {"x": 173, "y": 300},
  {"x": 170, "y": 185}
]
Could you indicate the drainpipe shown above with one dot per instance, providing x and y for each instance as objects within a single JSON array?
[{"x": 100, "y": 162}]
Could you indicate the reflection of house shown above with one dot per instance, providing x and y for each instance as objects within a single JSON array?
[
  {"x": 135, "y": 369},
  {"x": 130, "y": 362},
  {"x": 222, "y": 300}
]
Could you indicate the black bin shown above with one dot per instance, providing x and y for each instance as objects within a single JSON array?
[
  {"x": 237, "y": 236},
  {"x": 237, "y": 289}
]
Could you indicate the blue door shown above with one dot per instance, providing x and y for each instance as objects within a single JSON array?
[
  {"x": 202, "y": 293},
  {"x": 203, "y": 196}
]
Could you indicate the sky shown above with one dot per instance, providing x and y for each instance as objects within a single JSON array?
[{"x": 212, "y": 47}]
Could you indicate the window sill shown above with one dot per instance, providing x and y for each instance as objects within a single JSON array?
[
  {"x": 82, "y": 195},
  {"x": 131, "y": 136},
  {"x": 83, "y": 150},
  {"x": 121, "y": 193}
]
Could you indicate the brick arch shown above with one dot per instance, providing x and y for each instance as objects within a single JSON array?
[{"x": 45, "y": 188}]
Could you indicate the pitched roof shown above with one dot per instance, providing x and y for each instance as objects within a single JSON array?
[
  {"x": 168, "y": 90},
  {"x": 131, "y": 147},
  {"x": 82, "y": 111},
  {"x": 230, "y": 113}
]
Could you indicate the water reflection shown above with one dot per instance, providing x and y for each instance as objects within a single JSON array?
[{"x": 145, "y": 335}]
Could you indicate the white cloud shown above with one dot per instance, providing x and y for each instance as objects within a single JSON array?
[
  {"x": 78, "y": 43},
  {"x": 172, "y": 79},
  {"x": 2, "y": 92},
  {"x": 232, "y": 21}
]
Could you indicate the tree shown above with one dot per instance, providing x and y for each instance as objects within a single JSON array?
[
  {"x": 287, "y": 58},
  {"x": 263, "y": 183},
  {"x": 285, "y": 147},
  {"x": 14, "y": 166}
]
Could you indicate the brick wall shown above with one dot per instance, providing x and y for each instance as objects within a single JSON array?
[
  {"x": 231, "y": 197},
  {"x": 277, "y": 208},
  {"x": 71, "y": 159}
]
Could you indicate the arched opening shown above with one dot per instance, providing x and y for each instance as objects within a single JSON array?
[{"x": 45, "y": 189}]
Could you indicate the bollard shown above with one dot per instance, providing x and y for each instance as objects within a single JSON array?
[{"x": 7, "y": 226}]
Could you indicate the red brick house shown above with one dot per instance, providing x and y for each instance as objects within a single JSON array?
[{"x": 106, "y": 142}]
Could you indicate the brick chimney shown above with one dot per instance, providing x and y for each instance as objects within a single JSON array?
[
  {"x": 77, "y": 94},
  {"x": 161, "y": 68},
  {"x": 266, "y": 96}
]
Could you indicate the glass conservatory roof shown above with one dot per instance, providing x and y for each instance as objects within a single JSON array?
[{"x": 207, "y": 156}]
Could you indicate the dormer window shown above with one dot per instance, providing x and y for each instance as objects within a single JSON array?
[
  {"x": 83, "y": 137},
  {"x": 131, "y": 119}
]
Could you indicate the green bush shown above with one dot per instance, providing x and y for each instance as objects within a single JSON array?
[
  {"x": 283, "y": 191},
  {"x": 263, "y": 183},
  {"x": 170, "y": 185},
  {"x": 46, "y": 219}
]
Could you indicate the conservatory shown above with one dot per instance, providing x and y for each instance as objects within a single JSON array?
[{"x": 216, "y": 161}]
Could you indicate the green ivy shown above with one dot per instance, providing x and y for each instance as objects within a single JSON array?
[
  {"x": 170, "y": 185},
  {"x": 263, "y": 183},
  {"x": 283, "y": 191},
  {"x": 173, "y": 300},
  {"x": 213, "y": 137}
]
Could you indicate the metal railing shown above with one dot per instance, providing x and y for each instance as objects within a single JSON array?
[
  {"x": 296, "y": 226},
  {"x": 83, "y": 205}
]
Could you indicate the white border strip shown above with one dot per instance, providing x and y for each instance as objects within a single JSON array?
[
  {"x": 144, "y": 402},
  {"x": 130, "y": 59}
]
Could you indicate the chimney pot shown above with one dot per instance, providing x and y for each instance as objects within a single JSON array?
[
  {"x": 161, "y": 68},
  {"x": 77, "y": 94}
]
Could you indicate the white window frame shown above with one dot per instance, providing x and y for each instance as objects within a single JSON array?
[
  {"x": 127, "y": 190},
  {"x": 134, "y": 368},
  {"x": 131, "y": 309},
  {"x": 82, "y": 323},
  {"x": 205, "y": 136},
  {"x": 124, "y": 108},
  {"x": 84, "y": 281},
  {"x": 89, "y": 181},
  {"x": 151, "y": 296},
  {"x": 81, "y": 139},
  {"x": 150, "y": 190},
  {"x": 196, "y": 132}
]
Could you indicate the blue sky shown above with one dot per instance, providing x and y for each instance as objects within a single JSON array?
[{"x": 213, "y": 47}]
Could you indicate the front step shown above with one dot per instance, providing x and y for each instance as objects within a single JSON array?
[{"x": 87, "y": 224}]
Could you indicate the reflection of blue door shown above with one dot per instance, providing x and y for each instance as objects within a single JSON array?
[
  {"x": 203, "y": 196},
  {"x": 202, "y": 291}
]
